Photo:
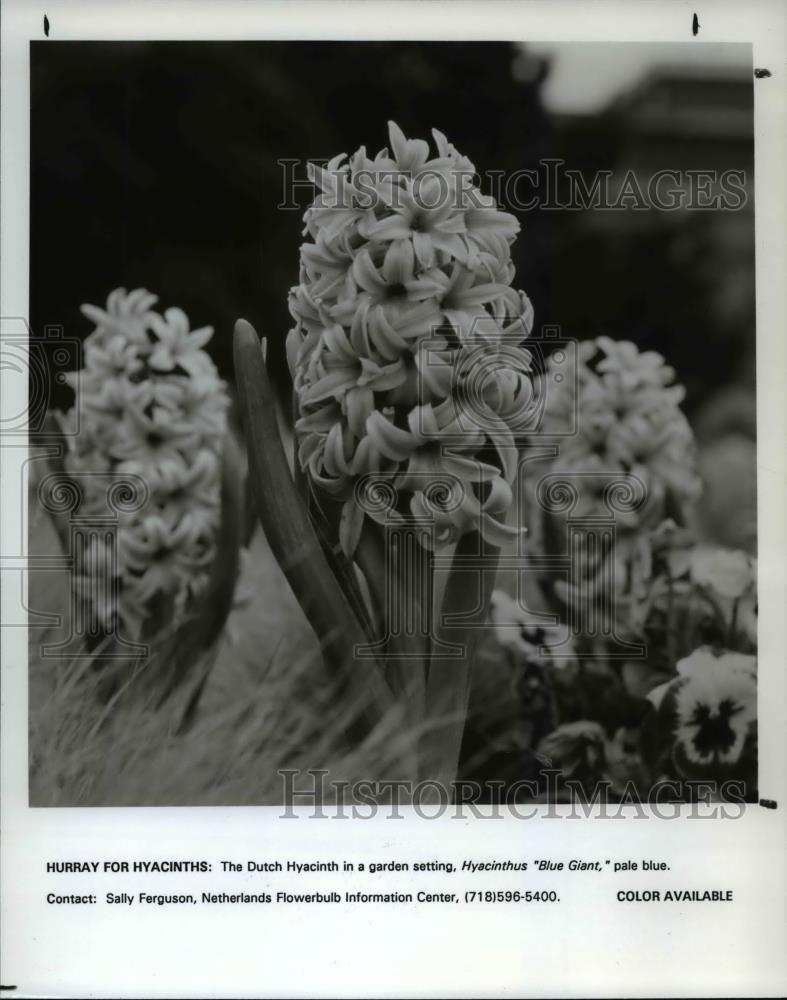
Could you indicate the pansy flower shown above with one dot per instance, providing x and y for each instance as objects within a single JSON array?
[{"x": 711, "y": 709}]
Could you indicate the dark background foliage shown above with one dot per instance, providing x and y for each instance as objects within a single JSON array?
[{"x": 155, "y": 164}]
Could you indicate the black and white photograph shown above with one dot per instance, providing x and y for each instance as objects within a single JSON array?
[
  {"x": 392, "y": 539},
  {"x": 472, "y": 496}
]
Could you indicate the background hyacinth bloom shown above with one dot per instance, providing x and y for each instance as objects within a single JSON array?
[
  {"x": 149, "y": 403},
  {"x": 630, "y": 422},
  {"x": 631, "y": 431}
]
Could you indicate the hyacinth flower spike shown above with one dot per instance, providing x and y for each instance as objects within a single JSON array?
[
  {"x": 631, "y": 430},
  {"x": 410, "y": 377},
  {"x": 146, "y": 446}
]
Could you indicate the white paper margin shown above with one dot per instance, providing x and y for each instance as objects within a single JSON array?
[{"x": 594, "y": 950}]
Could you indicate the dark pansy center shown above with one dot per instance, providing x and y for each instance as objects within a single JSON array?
[{"x": 714, "y": 733}]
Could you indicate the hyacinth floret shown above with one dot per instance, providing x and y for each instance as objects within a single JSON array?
[
  {"x": 149, "y": 404},
  {"x": 407, "y": 351}
]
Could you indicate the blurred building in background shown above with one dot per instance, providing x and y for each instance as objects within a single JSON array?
[{"x": 681, "y": 282}]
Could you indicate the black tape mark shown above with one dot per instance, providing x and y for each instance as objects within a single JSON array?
[
  {"x": 695, "y": 25},
  {"x": 769, "y": 803},
  {"x": 9, "y": 988},
  {"x": 760, "y": 74},
  {"x": 46, "y": 26}
]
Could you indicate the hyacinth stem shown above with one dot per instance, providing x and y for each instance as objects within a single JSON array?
[
  {"x": 370, "y": 559},
  {"x": 468, "y": 590},
  {"x": 409, "y": 650},
  {"x": 340, "y": 565},
  {"x": 292, "y": 538},
  {"x": 401, "y": 613}
]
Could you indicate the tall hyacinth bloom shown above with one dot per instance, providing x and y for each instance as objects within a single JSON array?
[
  {"x": 407, "y": 351},
  {"x": 148, "y": 403}
]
